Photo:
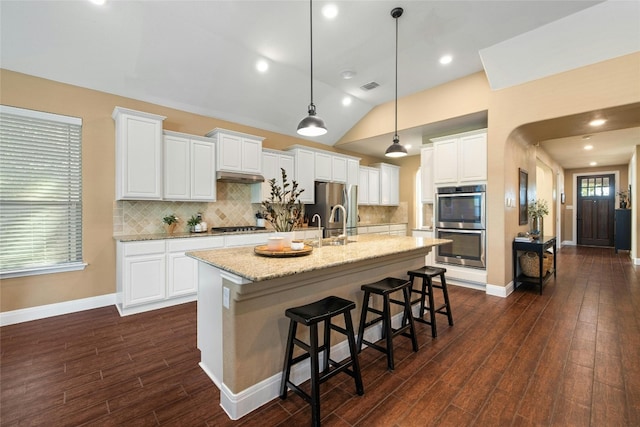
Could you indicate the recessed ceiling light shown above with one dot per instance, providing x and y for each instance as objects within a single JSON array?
[
  {"x": 262, "y": 66},
  {"x": 586, "y": 137},
  {"x": 593, "y": 164},
  {"x": 407, "y": 146},
  {"x": 330, "y": 11},
  {"x": 597, "y": 122},
  {"x": 446, "y": 59},
  {"x": 348, "y": 74},
  {"x": 346, "y": 101},
  {"x": 98, "y": 2},
  {"x": 588, "y": 147}
]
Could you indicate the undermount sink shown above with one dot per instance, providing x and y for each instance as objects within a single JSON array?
[{"x": 330, "y": 241}]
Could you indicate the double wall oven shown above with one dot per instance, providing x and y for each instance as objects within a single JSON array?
[{"x": 460, "y": 217}]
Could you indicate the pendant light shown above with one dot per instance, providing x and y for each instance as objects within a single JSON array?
[
  {"x": 312, "y": 125},
  {"x": 396, "y": 149}
]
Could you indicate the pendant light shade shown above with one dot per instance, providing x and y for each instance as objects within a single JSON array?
[
  {"x": 312, "y": 125},
  {"x": 396, "y": 149}
]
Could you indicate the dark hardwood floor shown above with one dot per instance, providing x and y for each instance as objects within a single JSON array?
[{"x": 569, "y": 357}]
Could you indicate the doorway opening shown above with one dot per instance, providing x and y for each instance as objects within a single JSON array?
[{"x": 596, "y": 207}]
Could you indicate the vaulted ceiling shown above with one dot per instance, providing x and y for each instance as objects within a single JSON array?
[{"x": 200, "y": 56}]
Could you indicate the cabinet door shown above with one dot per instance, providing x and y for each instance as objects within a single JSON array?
[
  {"x": 353, "y": 174},
  {"x": 304, "y": 173},
  {"x": 472, "y": 155},
  {"x": 183, "y": 275},
  {"x": 374, "y": 186},
  {"x": 144, "y": 280},
  {"x": 385, "y": 185},
  {"x": 338, "y": 169},
  {"x": 323, "y": 167},
  {"x": 445, "y": 170},
  {"x": 394, "y": 186},
  {"x": 251, "y": 161},
  {"x": 203, "y": 171},
  {"x": 139, "y": 158},
  {"x": 177, "y": 176},
  {"x": 287, "y": 163},
  {"x": 363, "y": 186},
  {"x": 229, "y": 152},
  {"x": 426, "y": 175}
]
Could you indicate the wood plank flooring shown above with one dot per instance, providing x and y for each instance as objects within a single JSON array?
[{"x": 569, "y": 357}]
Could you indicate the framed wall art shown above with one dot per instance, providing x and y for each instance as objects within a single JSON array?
[{"x": 523, "y": 183}]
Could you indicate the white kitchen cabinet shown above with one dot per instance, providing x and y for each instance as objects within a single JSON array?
[
  {"x": 353, "y": 173},
  {"x": 369, "y": 186},
  {"x": 429, "y": 258},
  {"x": 389, "y": 184},
  {"x": 460, "y": 158},
  {"x": 339, "y": 169},
  {"x": 330, "y": 168},
  {"x": 323, "y": 167},
  {"x": 426, "y": 175},
  {"x": 237, "y": 152},
  {"x": 138, "y": 155},
  {"x": 272, "y": 163},
  {"x": 305, "y": 172},
  {"x": 182, "y": 271},
  {"x": 142, "y": 273},
  {"x": 156, "y": 274},
  {"x": 189, "y": 167}
]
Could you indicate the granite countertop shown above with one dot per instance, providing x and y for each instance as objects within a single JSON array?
[{"x": 243, "y": 261}]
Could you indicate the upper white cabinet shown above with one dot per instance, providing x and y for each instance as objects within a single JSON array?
[
  {"x": 330, "y": 167},
  {"x": 138, "y": 155},
  {"x": 272, "y": 163},
  {"x": 389, "y": 184},
  {"x": 304, "y": 160},
  {"x": 369, "y": 186},
  {"x": 426, "y": 175},
  {"x": 237, "y": 152},
  {"x": 353, "y": 172},
  {"x": 189, "y": 167},
  {"x": 460, "y": 158}
]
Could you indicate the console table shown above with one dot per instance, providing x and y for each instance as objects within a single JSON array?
[{"x": 538, "y": 246}]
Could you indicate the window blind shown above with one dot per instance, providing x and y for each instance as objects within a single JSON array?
[{"x": 40, "y": 192}]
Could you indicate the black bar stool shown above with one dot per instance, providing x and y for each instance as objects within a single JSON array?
[
  {"x": 310, "y": 315},
  {"x": 385, "y": 287},
  {"x": 427, "y": 273}
]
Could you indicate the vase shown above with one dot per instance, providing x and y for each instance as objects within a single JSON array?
[
  {"x": 287, "y": 237},
  {"x": 171, "y": 228},
  {"x": 623, "y": 204},
  {"x": 537, "y": 226}
]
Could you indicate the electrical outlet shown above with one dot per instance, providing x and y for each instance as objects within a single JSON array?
[{"x": 225, "y": 297}]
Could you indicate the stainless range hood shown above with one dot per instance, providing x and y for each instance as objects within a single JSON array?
[{"x": 243, "y": 178}]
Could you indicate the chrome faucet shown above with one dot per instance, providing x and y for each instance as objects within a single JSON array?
[
  {"x": 344, "y": 221},
  {"x": 313, "y": 218}
]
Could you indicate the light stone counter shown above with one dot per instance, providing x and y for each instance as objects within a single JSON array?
[
  {"x": 245, "y": 263},
  {"x": 242, "y": 298}
]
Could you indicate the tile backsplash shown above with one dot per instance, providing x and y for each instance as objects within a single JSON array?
[{"x": 233, "y": 207}]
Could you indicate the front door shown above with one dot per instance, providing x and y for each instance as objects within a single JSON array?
[{"x": 596, "y": 200}]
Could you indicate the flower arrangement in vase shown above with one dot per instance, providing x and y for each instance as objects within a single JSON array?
[
  {"x": 283, "y": 210},
  {"x": 623, "y": 196},
  {"x": 537, "y": 210}
]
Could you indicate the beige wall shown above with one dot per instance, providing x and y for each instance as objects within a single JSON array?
[{"x": 98, "y": 157}]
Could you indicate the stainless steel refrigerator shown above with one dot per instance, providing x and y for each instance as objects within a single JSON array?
[{"x": 327, "y": 195}]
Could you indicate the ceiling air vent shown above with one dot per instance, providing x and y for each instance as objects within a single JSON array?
[{"x": 369, "y": 86}]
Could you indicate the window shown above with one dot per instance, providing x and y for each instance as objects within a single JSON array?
[{"x": 40, "y": 193}]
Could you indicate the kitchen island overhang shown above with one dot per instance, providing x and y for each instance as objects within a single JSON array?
[{"x": 242, "y": 297}]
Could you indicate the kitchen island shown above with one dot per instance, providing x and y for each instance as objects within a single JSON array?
[{"x": 242, "y": 298}]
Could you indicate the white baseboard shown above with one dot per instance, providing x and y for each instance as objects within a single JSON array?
[
  {"x": 568, "y": 243},
  {"x": 57, "y": 309},
  {"x": 500, "y": 291}
]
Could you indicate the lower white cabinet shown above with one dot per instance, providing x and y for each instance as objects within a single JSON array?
[
  {"x": 429, "y": 258},
  {"x": 156, "y": 274},
  {"x": 143, "y": 275},
  {"x": 387, "y": 229}
]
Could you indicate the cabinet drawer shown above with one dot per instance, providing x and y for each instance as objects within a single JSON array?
[
  {"x": 246, "y": 239},
  {"x": 194, "y": 244},
  {"x": 397, "y": 227},
  {"x": 143, "y": 248},
  {"x": 374, "y": 229}
]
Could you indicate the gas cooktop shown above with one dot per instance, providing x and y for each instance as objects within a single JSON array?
[{"x": 236, "y": 229}]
